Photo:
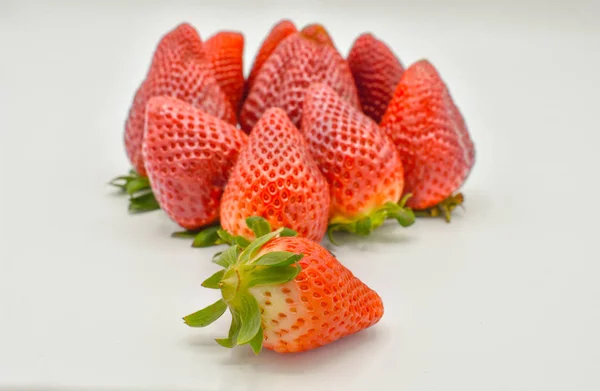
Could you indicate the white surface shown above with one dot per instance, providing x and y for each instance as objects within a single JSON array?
[{"x": 504, "y": 298}]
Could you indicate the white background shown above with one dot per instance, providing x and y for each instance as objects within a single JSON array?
[{"x": 504, "y": 298}]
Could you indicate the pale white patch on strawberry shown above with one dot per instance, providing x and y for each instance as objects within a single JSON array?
[{"x": 281, "y": 308}]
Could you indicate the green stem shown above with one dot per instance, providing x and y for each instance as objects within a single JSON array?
[{"x": 444, "y": 208}]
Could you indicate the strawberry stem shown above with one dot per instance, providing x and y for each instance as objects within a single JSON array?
[
  {"x": 141, "y": 198},
  {"x": 444, "y": 208}
]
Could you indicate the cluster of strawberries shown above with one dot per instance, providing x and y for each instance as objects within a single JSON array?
[{"x": 324, "y": 144}]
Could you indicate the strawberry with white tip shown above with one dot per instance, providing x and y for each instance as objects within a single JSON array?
[{"x": 287, "y": 294}]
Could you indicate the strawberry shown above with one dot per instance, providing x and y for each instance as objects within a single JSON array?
[
  {"x": 276, "y": 178},
  {"x": 287, "y": 294},
  {"x": 359, "y": 161},
  {"x": 297, "y": 62},
  {"x": 277, "y": 34},
  {"x": 317, "y": 33},
  {"x": 225, "y": 51},
  {"x": 432, "y": 138},
  {"x": 189, "y": 155},
  {"x": 376, "y": 71},
  {"x": 179, "y": 69}
]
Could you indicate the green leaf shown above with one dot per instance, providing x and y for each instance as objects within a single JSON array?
[
  {"x": 250, "y": 318},
  {"x": 257, "y": 342},
  {"x": 241, "y": 241},
  {"x": 207, "y": 237},
  {"x": 143, "y": 203},
  {"x": 213, "y": 281},
  {"x": 275, "y": 275},
  {"x": 121, "y": 181},
  {"x": 120, "y": 186},
  {"x": 124, "y": 178},
  {"x": 234, "y": 330},
  {"x": 206, "y": 316},
  {"x": 187, "y": 234},
  {"x": 278, "y": 258},
  {"x": 136, "y": 185},
  {"x": 253, "y": 247},
  {"x": 228, "y": 257},
  {"x": 225, "y": 236},
  {"x": 288, "y": 232},
  {"x": 258, "y": 225}
]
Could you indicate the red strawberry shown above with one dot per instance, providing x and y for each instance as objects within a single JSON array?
[
  {"x": 359, "y": 161},
  {"x": 432, "y": 138},
  {"x": 317, "y": 33},
  {"x": 287, "y": 294},
  {"x": 277, "y": 34},
  {"x": 282, "y": 82},
  {"x": 189, "y": 155},
  {"x": 276, "y": 178},
  {"x": 376, "y": 71},
  {"x": 225, "y": 51},
  {"x": 179, "y": 69}
]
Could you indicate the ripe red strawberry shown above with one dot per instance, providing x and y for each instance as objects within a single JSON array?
[
  {"x": 359, "y": 161},
  {"x": 189, "y": 155},
  {"x": 432, "y": 138},
  {"x": 225, "y": 51},
  {"x": 287, "y": 294},
  {"x": 276, "y": 178},
  {"x": 297, "y": 62},
  {"x": 318, "y": 33},
  {"x": 277, "y": 34},
  {"x": 376, "y": 71},
  {"x": 179, "y": 69}
]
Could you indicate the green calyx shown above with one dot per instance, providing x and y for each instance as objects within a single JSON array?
[
  {"x": 444, "y": 208},
  {"x": 364, "y": 225},
  {"x": 244, "y": 268},
  {"x": 215, "y": 235},
  {"x": 141, "y": 198}
]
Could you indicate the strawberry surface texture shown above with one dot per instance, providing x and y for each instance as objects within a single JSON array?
[{"x": 430, "y": 134}]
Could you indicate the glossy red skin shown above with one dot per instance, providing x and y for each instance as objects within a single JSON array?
[
  {"x": 225, "y": 51},
  {"x": 277, "y": 34},
  {"x": 181, "y": 70},
  {"x": 431, "y": 136},
  {"x": 189, "y": 155},
  {"x": 297, "y": 62},
  {"x": 324, "y": 303},
  {"x": 376, "y": 71}
]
